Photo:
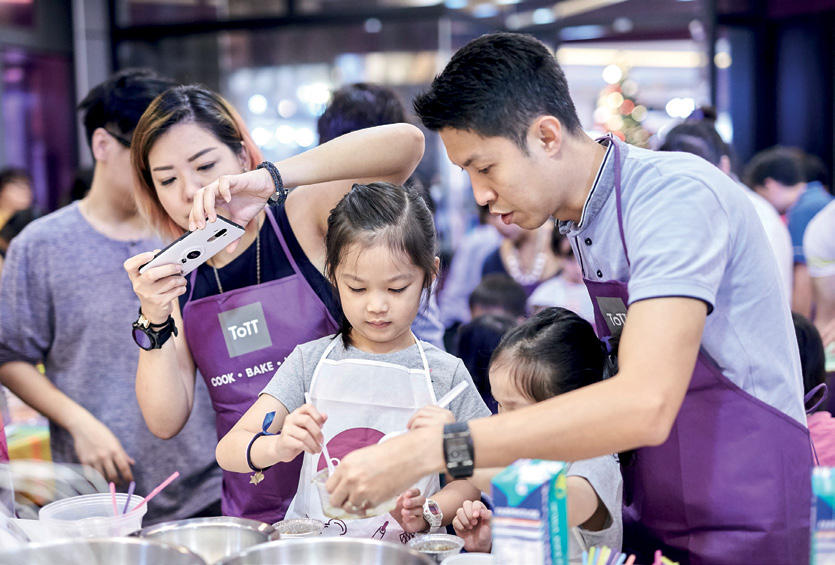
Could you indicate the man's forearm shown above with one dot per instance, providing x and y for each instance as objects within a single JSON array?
[{"x": 36, "y": 390}]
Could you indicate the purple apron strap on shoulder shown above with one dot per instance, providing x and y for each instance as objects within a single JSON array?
[
  {"x": 616, "y": 149},
  {"x": 812, "y": 394},
  {"x": 806, "y": 400}
]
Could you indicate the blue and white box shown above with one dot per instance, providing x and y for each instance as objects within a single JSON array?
[{"x": 530, "y": 519}]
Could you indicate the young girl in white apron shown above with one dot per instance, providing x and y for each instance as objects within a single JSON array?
[{"x": 370, "y": 378}]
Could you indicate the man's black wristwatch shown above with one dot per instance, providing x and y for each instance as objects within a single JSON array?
[
  {"x": 458, "y": 450},
  {"x": 150, "y": 336}
]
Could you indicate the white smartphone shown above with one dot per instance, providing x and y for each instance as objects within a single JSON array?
[{"x": 194, "y": 248}]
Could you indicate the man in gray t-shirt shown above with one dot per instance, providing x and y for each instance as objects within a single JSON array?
[{"x": 65, "y": 301}]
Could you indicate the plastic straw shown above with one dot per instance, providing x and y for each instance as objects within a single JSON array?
[
  {"x": 585, "y": 558},
  {"x": 130, "y": 494},
  {"x": 452, "y": 395},
  {"x": 591, "y": 556},
  {"x": 324, "y": 444},
  {"x": 657, "y": 560},
  {"x": 113, "y": 498},
  {"x": 630, "y": 561},
  {"x": 155, "y": 492},
  {"x": 621, "y": 559}
]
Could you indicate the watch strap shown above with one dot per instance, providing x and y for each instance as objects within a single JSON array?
[{"x": 157, "y": 334}]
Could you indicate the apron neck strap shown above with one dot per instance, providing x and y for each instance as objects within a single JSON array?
[
  {"x": 811, "y": 395},
  {"x": 618, "y": 192}
]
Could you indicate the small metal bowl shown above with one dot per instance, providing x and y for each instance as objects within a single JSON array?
[
  {"x": 437, "y": 546},
  {"x": 214, "y": 538},
  {"x": 299, "y": 528}
]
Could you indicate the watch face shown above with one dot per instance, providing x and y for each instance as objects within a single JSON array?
[
  {"x": 434, "y": 509},
  {"x": 142, "y": 339},
  {"x": 458, "y": 449}
]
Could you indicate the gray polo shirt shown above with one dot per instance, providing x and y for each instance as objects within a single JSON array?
[{"x": 691, "y": 231}]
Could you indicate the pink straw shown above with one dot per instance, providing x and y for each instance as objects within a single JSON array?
[
  {"x": 113, "y": 497},
  {"x": 657, "y": 560},
  {"x": 154, "y": 492},
  {"x": 630, "y": 561}
]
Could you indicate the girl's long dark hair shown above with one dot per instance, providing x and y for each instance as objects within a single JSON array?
[
  {"x": 380, "y": 213},
  {"x": 554, "y": 352}
]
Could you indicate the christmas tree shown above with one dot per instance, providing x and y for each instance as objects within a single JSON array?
[{"x": 618, "y": 111}]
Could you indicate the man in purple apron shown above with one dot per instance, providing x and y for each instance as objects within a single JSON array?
[{"x": 673, "y": 254}]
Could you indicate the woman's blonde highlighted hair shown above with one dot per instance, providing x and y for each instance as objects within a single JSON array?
[{"x": 183, "y": 104}]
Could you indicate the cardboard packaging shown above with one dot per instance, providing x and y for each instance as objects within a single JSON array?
[{"x": 530, "y": 520}]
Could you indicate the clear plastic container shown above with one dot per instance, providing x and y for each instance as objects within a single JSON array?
[
  {"x": 320, "y": 478},
  {"x": 299, "y": 528},
  {"x": 437, "y": 546},
  {"x": 91, "y": 515}
]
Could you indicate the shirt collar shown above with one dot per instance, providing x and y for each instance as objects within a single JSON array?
[{"x": 603, "y": 186}]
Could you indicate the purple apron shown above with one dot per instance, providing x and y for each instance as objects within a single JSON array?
[
  {"x": 238, "y": 339},
  {"x": 732, "y": 483}
]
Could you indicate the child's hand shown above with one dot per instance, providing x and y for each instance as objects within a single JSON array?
[
  {"x": 430, "y": 415},
  {"x": 302, "y": 431},
  {"x": 409, "y": 511},
  {"x": 472, "y": 523}
]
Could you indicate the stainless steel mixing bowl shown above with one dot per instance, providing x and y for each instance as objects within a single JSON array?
[
  {"x": 330, "y": 551},
  {"x": 100, "y": 551},
  {"x": 212, "y": 538}
]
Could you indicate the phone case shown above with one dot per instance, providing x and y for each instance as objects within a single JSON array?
[{"x": 194, "y": 248}]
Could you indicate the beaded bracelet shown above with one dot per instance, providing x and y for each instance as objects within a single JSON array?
[
  {"x": 280, "y": 192},
  {"x": 259, "y": 473}
]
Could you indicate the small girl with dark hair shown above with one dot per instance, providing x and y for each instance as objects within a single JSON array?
[
  {"x": 554, "y": 352},
  {"x": 367, "y": 380}
]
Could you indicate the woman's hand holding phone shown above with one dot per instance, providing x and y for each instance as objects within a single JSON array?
[
  {"x": 157, "y": 287},
  {"x": 242, "y": 197}
]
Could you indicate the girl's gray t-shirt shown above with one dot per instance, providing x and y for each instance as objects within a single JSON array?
[{"x": 293, "y": 377}]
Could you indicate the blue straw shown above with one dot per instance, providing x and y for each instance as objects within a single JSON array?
[
  {"x": 130, "y": 493},
  {"x": 585, "y": 558},
  {"x": 621, "y": 559}
]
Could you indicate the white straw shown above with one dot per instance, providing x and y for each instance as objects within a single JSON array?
[
  {"x": 451, "y": 395},
  {"x": 324, "y": 444}
]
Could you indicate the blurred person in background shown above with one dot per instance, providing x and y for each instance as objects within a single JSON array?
[
  {"x": 525, "y": 256},
  {"x": 701, "y": 138},
  {"x": 66, "y": 303},
  {"x": 465, "y": 269},
  {"x": 16, "y": 208},
  {"x": 565, "y": 290},
  {"x": 498, "y": 294},
  {"x": 364, "y": 105},
  {"x": 475, "y": 343},
  {"x": 777, "y": 174},
  {"x": 816, "y": 172}
]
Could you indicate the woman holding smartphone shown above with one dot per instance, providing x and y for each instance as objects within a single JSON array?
[{"x": 238, "y": 316}]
